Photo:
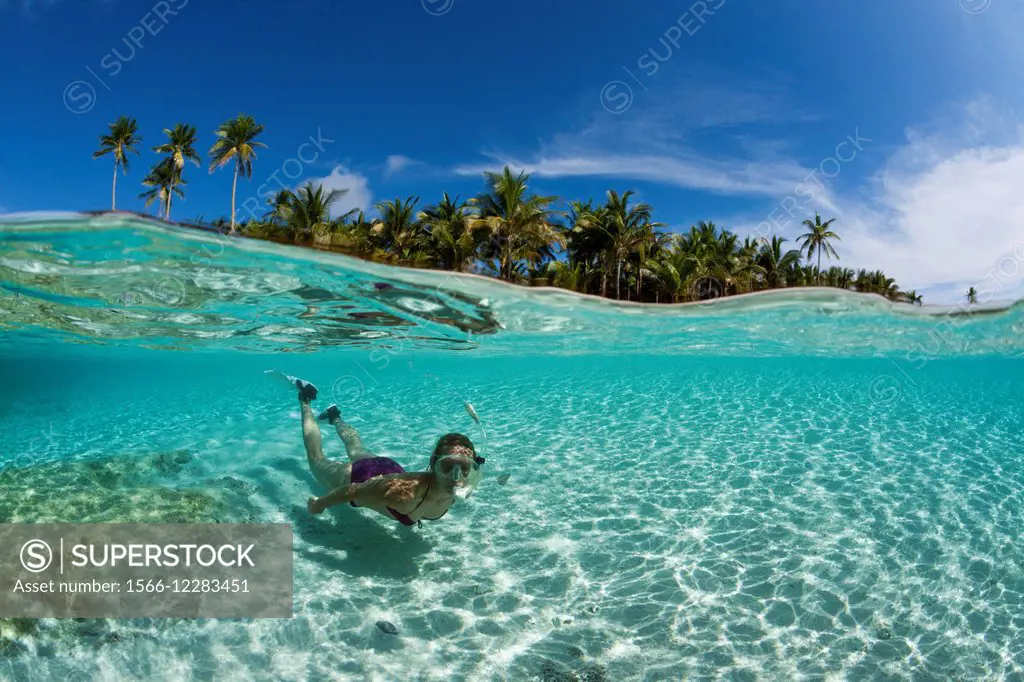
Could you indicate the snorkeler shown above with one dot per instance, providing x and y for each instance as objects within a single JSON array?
[{"x": 380, "y": 483}]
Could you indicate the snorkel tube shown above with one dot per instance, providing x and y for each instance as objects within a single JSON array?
[
  {"x": 472, "y": 480},
  {"x": 476, "y": 472}
]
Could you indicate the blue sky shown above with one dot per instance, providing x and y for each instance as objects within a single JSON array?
[{"x": 717, "y": 110}]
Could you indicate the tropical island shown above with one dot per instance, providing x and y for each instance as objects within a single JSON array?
[{"x": 612, "y": 248}]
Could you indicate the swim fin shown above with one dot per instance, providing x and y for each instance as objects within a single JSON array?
[{"x": 307, "y": 391}]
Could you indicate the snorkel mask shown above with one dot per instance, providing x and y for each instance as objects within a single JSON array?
[
  {"x": 457, "y": 463},
  {"x": 456, "y": 460}
]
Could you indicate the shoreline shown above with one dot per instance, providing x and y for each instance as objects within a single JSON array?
[{"x": 372, "y": 267}]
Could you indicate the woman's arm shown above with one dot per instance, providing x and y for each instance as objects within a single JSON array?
[
  {"x": 393, "y": 489},
  {"x": 317, "y": 505}
]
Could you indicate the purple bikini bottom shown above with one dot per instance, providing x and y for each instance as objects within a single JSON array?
[{"x": 371, "y": 467}]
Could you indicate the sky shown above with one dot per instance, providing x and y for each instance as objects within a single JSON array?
[{"x": 899, "y": 120}]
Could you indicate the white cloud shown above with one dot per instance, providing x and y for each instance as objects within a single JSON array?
[
  {"x": 943, "y": 214},
  {"x": 358, "y": 195},
  {"x": 946, "y": 212},
  {"x": 397, "y": 163},
  {"x": 733, "y": 176},
  {"x": 661, "y": 140}
]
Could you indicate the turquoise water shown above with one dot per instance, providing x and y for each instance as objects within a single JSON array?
[{"x": 803, "y": 485}]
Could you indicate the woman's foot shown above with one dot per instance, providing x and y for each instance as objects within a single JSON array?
[
  {"x": 307, "y": 391},
  {"x": 330, "y": 415}
]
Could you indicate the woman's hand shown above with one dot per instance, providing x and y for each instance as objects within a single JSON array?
[{"x": 315, "y": 506}]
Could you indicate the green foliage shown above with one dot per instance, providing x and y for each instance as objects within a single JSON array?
[
  {"x": 517, "y": 226},
  {"x": 610, "y": 249},
  {"x": 180, "y": 147},
  {"x": 121, "y": 139},
  {"x": 308, "y": 211},
  {"x": 450, "y": 241},
  {"x": 236, "y": 141},
  {"x": 819, "y": 239},
  {"x": 165, "y": 181}
]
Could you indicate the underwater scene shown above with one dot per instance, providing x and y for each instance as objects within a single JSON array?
[{"x": 795, "y": 484}]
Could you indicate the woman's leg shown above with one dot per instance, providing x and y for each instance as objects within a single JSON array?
[
  {"x": 329, "y": 473},
  {"x": 349, "y": 436}
]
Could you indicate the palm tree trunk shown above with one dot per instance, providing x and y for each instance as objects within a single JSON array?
[
  {"x": 818, "y": 277},
  {"x": 234, "y": 186},
  {"x": 167, "y": 213},
  {"x": 113, "y": 190}
]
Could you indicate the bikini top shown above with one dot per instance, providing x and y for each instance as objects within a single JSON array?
[{"x": 404, "y": 518}]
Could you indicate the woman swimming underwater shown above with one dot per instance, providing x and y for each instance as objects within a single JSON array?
[{"x": 380, "y": 483}]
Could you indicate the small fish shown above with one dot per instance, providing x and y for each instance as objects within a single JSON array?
[
  {"x": 472, "y": 413},
  {"x": 387, "y": 627},
  {"x": 503, "y": 479}
]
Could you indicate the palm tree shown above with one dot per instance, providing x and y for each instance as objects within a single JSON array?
[
  {"x": 514, "y": 232},
  {"x": 706, "y": 259},
  {"x": 877, "y": 282},
  {"x": 236, "y": 141},
  {"x": 399, "y": 229},
  {"x": 121, "y": 139},
  {"x": 358, "y": 233},
  {"x": 518, "y": 224},
  {"x": 180, "y": 147},
  {"x": 665, "y": 275},
  {"x": 280, "y": 206},
  {"x": 777, "y": 264},
  {"x": 844, "y": 278},
  {"x": 566, "y": 275},
  {"x": 449, "y": 235},
  {"x": 309, "y": 210},
  {"x": 913, "y": 298},
  {"x": 817, "y": 239},
  {"x": 742, "y": 267},
  {"x": 864, "y": 282},
  {"x": 164, "y": 179},
  {"x": 629, "y": 231},
  {"x": 586, "y": 242},
  {"x": 972, "y": 295}
]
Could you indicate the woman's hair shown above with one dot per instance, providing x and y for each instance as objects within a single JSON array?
[{"x": 447, "y": 443}]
